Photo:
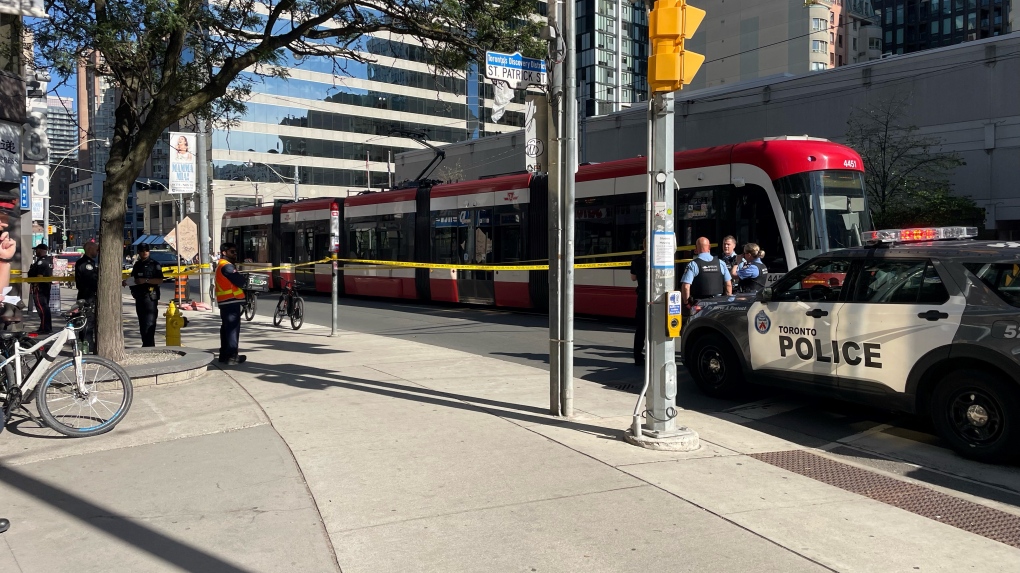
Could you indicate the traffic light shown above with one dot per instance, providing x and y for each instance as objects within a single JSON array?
[
  {"x": 670, "y": 66},
  {"x": 50, "y": 230}
]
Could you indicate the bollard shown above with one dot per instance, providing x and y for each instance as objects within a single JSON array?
[{"x": 174, "y": 322}]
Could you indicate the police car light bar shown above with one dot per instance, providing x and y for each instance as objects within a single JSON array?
[{"x": 919, "y": 234}]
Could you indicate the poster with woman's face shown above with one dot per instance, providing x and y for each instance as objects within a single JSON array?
[
  {"x": 182, "y": 163},
  {"x": 183, "y": 144}
]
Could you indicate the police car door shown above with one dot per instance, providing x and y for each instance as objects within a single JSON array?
[
  {"x": 899, "y": 310},
  {"x": 791, "y": 334}
]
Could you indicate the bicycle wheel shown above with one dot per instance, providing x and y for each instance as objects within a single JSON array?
[
  {"x": 6, "y": 402},
  {"x": 297, "y": 314},
  {"x": 281, "y": 311},
  {"x": 250, "y": 304},
  {"x": 68, "y": 411}
]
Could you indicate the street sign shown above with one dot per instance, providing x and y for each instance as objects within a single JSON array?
[
  {"x": 26, "y": 201},
  {"x": 515, "y": 69},
  {"x": 189, "y": 239}
]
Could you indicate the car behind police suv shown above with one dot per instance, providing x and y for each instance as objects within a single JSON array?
[{"x": 924, "y": 321}]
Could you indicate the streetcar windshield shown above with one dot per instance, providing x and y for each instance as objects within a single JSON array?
[{"x": 825, "y": 210}]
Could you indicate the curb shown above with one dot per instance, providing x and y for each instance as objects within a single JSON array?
[{"x": 192, "y": 364}]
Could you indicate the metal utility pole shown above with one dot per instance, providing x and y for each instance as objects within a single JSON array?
[
  {"x": 555, "y": 175},
  {"x": 203, "y": 209},
  {"x": 568, "y": 138},
  {"x": 669, "y": 68}
]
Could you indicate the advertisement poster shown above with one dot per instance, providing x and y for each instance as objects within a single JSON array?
[{"x": 182, "y": 163}]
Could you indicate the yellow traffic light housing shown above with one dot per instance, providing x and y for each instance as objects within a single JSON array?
[{"x": 670, "y": 66}]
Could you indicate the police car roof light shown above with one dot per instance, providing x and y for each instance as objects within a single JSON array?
[{"x": 919, "y": 234}]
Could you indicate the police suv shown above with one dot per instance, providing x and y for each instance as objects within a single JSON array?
[{"x": 924, "y": 321}]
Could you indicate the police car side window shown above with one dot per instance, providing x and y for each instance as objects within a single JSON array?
[
  {"x": 819, "y": 281},
  {"x": 1002, "y": 278},
  {"x": 900, "y": 281}
]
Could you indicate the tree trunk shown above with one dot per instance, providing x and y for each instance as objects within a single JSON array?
[{"x": 121, "y": 171}]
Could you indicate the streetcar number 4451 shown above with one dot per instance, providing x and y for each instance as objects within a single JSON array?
[{"x": 850, "y": 163}]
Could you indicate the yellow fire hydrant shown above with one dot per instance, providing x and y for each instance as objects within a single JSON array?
[{"x": 175, "y": 321}]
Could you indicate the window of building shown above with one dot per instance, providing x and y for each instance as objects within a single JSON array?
[
  {"x": 819, "y": 46},
  {"x": 840, "y": 61},
  {"x": 854, "y": 44},
  {"x": 874, "y": 43},
  {"x": 832, "y": 59},
  {"x": 899, "y": 35},
  {"x": 959, "y": 23},
  {"x": 934, "y": 27},
  {"x": 819, "y": 24},
  {"x": 832, "y": 37},
  {"x": 840, "y": 44},
  {"x": 888, "y": 37},
  {"x": 832, "y": 18}
]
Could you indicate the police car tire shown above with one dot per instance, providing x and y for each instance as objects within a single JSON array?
[
  {"x": 1001, "y": 402},
  {"x": 720, "y": 379}
]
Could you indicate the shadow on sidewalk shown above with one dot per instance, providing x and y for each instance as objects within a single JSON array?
[
  {"x": 317, "y": 379},
  {"x": 169, "y": 550}
]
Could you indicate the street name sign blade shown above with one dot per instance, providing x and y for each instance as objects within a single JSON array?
[{"x": 515, "y": 69}]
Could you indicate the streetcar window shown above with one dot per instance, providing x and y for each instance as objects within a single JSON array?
[
  {"x": 604, "y": 225},
  {"x": 254, "y": 245},
  {"x": 449, "y": 236},
  {"x": 824, "y": 210},
  {"x": 744, "y": 212},
  {"x": 508, "y": 242}
]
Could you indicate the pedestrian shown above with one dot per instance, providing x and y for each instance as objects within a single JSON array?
[
  {"x": 8, "y": 248},
  {"x": 706, "y": 276},
  {"x": 729, "y": 254},
  {"x": 637, "y": 274},
  {"x": 751, "y": 272},
  {"x": 229, "y": 285},
  {"x": 148, "y": 275},
  {"x": 42, "y": 266}
]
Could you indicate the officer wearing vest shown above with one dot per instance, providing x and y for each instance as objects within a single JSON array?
[
  {"x": 148, "y": 274},
  {"x": 86, "y": 272},
  {"x": 751, "y": 272},
  {"x": 229, "y": 297},
  {"x": 706, "y": 276},
  {"x": 42, "y": 266}
]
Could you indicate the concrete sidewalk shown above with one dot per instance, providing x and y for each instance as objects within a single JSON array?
[{"x": 374, "y": 454}]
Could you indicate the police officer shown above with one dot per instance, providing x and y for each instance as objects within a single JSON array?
[
  {"x": 229, "y": 285},
  {"x": 148, "y": 274},
  {"x": 42, "y": 266},
  {"x": 706, "y": 276},
  {"x": 637, "y": 274},
  {"x": 729, "y": 254},
  {"x": 751, "y": 272},
  {"x": 86, "y": 272}
]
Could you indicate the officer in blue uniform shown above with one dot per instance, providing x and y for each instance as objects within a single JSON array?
[{"x": 706, "y": 276}]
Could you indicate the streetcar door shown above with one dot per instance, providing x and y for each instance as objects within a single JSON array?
[
  {"x": 305, "y": 250},
  {"x": 476, "y": 286}
]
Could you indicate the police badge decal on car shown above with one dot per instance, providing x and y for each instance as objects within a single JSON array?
[{"x": 761, "y": 322}]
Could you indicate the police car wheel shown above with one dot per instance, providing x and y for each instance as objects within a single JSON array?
[
  {"x": 979, "y": 415},
  {"x": 713, "y": 365}
]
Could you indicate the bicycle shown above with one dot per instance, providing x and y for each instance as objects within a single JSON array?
[
  {"x": 291, "y": 304},
  {"x": 254, "y": 284},
  {"x": 71, "y": 393}
]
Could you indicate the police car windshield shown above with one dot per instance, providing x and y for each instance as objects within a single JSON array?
[{"x": 825, "y": 210}]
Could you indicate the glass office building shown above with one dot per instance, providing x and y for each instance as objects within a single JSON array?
[
  {"x": 334, "y": 128},
  {"x": 912, "y": 25}
]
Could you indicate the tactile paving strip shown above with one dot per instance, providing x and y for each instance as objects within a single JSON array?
[{"x": 968, "y": 516}]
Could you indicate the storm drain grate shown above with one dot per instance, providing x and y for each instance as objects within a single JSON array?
[{"x": 968, "y": 516}]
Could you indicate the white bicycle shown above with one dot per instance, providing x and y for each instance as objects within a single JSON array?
[{"x": 78, "y": 396}]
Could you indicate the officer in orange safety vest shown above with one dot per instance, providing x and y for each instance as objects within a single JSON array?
[{"x": 229, "y": 296}]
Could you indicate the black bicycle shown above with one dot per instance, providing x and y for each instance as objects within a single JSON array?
[
  {"x": 291, "y": 304},
  {"x": 254, "y": 284}
]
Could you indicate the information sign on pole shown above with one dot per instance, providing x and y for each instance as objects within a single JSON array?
[{"x": 515, "y": 69}]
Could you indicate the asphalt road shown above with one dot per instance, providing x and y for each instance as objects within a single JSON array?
[{"x": 887, "y": 440}]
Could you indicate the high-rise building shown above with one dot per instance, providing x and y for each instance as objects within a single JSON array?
[
  {"x": 62, "y": 132},
  {"x": 912, "y": 25},
  {"x": 332, "y": 130},
  {"x": 612, "y": 54},
  {"x": 750, "y": 39}
]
